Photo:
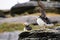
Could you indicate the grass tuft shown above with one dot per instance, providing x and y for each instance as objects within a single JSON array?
[{"x": 8, "y": 27}]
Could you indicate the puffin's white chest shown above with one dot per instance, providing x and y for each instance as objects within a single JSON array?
[{"x": 40, "y": 22}]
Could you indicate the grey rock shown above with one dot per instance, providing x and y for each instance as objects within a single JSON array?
[
  {"x": 10, "y": 35},
  {"x": 29, "y": 19}
]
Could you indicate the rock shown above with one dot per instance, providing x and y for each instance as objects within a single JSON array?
[
  {"x": 38, "y": 35},
  {"x": 10, "y": 35}
]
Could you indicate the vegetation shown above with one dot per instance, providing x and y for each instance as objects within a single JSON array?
[
  {"x": 10, "y": 27},
  {"x": 7, "y": 27}
]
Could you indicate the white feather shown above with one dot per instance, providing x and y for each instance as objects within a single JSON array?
[
  {"x": 41, "y": 23},
  {"x": 25, "y": 29}
]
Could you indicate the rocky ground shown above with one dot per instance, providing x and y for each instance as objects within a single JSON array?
[
  {"x": 10, "y": 35},
  {"x": 29, "y": 19},
  {"x": 21, "y": 19}
]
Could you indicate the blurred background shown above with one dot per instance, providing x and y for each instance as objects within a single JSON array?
[{"x": 13, "y": 7}]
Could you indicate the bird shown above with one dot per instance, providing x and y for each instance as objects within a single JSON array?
[
  {"x": 27, "y": 27},
  {"x": 41, "y": 22}
]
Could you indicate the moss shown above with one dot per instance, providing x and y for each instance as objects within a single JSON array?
[
  {"x": 7, "y": 27},
  {"x": 10, "y": 27}
]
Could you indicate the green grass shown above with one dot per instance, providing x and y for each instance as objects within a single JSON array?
[
  {"x": 8, "y": 27},
  {"x": 36, "y": 27}
]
